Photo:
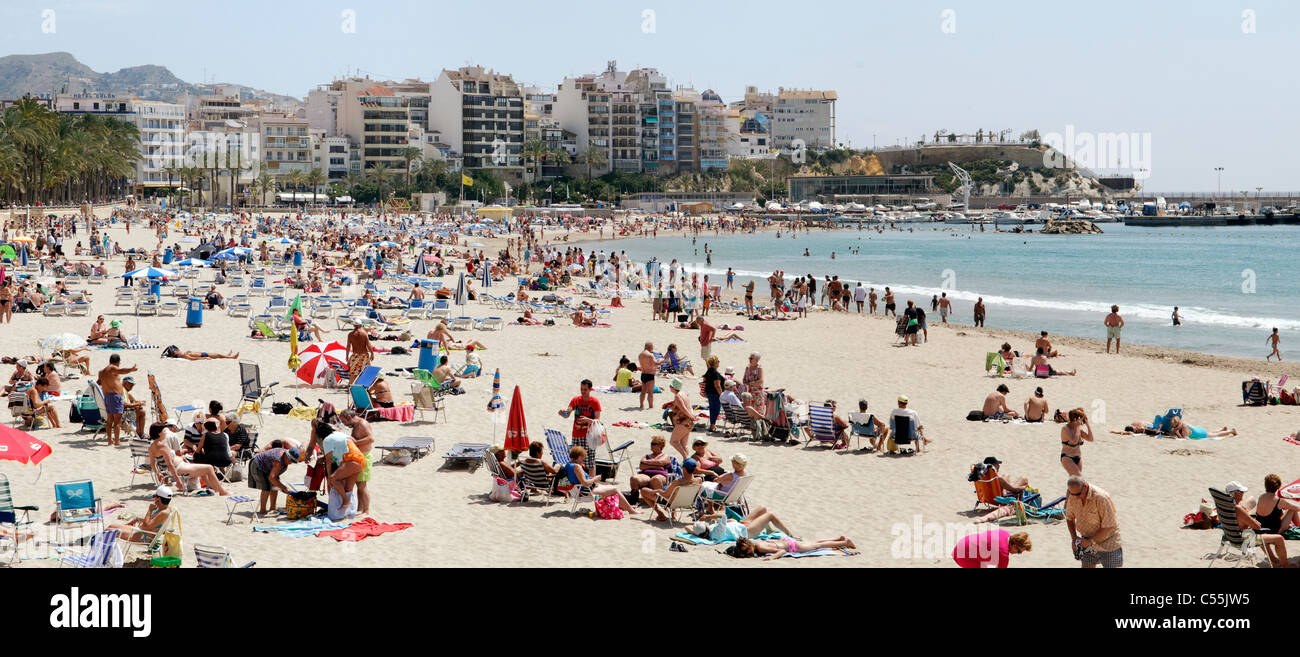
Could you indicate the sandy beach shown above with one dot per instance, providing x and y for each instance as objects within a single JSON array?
[{"x": 893, "y": 507}]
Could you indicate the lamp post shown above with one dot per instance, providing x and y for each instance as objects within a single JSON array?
[{"x": 1219, "y": 171}]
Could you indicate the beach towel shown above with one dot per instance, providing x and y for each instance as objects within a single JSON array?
[
  {"x": 824, "y": 552},
  {"x": 399, "y": 413},
  {"x": 300, "y": 528},
  {"x": 687, "y": 537},
  {"x": 363, "y": 529},
  {"x": 130, "y": 346},
  {"x": 731, "y": 340}
]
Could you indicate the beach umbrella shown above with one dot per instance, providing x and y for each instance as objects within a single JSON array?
[
  {"x": 61, "y": 342},
  {"x": 23, "y": 239},
  {"x": 282, "y": 240},
  {"x": 421, "y": 267},
  {"x": 460, "y": 290},
  {"x": 385, "y": 244},
  {"x": 20, "y": 446},
  {"x": 22, "y": 258},
  {"x": 188, "y": 240},
  {"x": 224, "y": 256},
  {"x": 487, "y": 273},
  {"x": 317, "y": 359},
  {"x": 149, "y": 272},
  {"x": 495, "y": 403},
  {"x": 516, "y": 426},
  {"x": 193, "y": 262}
]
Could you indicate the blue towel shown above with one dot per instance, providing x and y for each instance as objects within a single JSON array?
[
  {"x": 300, "y": 528},
  {"x": 700, "y": 540}
]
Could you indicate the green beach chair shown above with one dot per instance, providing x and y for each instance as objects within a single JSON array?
[{"x": 992, "y": 359}]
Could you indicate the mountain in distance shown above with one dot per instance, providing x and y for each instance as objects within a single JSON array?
[{"x": 61, "y": 73}]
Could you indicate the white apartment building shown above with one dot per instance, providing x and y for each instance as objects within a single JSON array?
[
  {"x": 161, "y": 126},
  {"x": 804, "y": 114},
  {"x": 480, "y": 115},
  {"x": 286, "y": 144},
  {"x": 333, "y": 155}
]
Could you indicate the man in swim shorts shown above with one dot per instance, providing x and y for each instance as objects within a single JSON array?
[
  {"x": 648, "y": 366},
  {"x": 110, "y": 382},
  {"x": 1113, "y": 323},
  {"x": 365, "y": 441}
]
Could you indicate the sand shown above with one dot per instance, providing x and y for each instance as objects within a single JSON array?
[{"x": 879, "y": 501}]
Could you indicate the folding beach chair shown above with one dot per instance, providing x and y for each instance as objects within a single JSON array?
[
  {"x": 863, "y": 426},
  {"x": 682, "y": 498},
  {"x": 368, "y": 376},
  {"x": 1233, "y": 535},
  {"x": 140, "y": 459},
  {"x": 75, "y": 505},
  {"x": 988, "y": 489},
  {"x": 426, "y": 401},
  {"x": 9, "y": 516},
  {"x": 1164, "y": 423},
  {"x": 558, "y": 446},
  {"x": 90, "y": 403},
  {"x": 253, "y": 396},
  {"x": 102, "y": 553},
  {"x": 900, "y": 329},
  {"x": 361, "y": 402},
  {"x": 212, "y": 556},
  {"x": 902, "y": 434},
  {"x": 780, "y": 426},
  {"x": 821, "y": 425},
  {"x": 172, "y": 525},
  {"x": 993, "y": 361}
]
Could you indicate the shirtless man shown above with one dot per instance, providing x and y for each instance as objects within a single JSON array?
[
  {"x": 995, "y": 405},
  {"x": 358, "y": 353},
  {"x": 443, "y": 374},
  {"x": 648, "y": 367},
  {"x": 110, "y": 381},
  {"x": 1274, "y": 340},
  {"x": 1036, "y": 407},
  {"x": 872, "y": 299},
  {"x": 365, "y": 441},
  {"x": 197, "y": 355},
  {"x": 1113, "y": 323},
  {"x": 945, "y": 307},
  {"x": 1046, "y": 345},
  {"x": 890, "y": 306},
  {"x": 979, "y": 312}
]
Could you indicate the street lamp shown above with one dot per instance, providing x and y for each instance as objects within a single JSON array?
[{"x": 1219, "y": 170}]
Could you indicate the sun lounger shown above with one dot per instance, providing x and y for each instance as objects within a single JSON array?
[
  {"x": 418, "y": 446},
  {"x": 468, "y": 453}
]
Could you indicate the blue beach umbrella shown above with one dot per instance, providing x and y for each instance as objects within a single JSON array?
[{"x": 460, "y": 290}]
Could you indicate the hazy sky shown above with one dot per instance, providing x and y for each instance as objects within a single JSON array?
[{"x": 1211, "y": 83}]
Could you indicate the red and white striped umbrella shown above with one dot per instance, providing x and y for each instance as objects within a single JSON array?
[{"x": 317, "y": 360}]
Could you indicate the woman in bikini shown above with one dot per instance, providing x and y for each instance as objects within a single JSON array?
[
  {"x": 1275, "y": 514},
  {"x": 753, "y": 381},
  {"x": 6, "y": 302},
  {"x": 775, "y": 549},
  {"x": 1073, "y": 435}
]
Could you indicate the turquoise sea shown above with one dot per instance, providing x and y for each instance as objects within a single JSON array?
[{"x": 1232, "y": 285}]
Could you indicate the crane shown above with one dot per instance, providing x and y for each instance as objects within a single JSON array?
[{"x": 964, "y": 179}]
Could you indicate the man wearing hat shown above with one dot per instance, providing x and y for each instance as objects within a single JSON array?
[
  {"x": 133, "y": 406},
  {"x": 143, "y": 529},
  {"x": 904, "y": 411},
  {"x": 1008, "y": 484},
  {"x": 1274, "y": 544},
  {"x": 21, "y": 375}
]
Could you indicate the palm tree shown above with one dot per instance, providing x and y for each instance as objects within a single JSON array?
[
  {"x": 429, "y": 171},
  {"x": 295, "y": 179},
  {"x": 315, "y": 178},
  {"x": 234, "y": 166},
  {"x": 593, "y": 156},
  {"x": 536, "y": 151},
  {"x": 380, "y": 174},
  {"x": 265, "y": 183},
  {"x": 410, "y": 154},
  {"x": 352, "y": 180}
]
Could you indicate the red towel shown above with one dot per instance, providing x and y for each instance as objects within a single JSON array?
[{"x": 363, "y": 529}]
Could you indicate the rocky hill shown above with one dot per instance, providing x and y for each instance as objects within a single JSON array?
[{"x": 61, "y": 72}]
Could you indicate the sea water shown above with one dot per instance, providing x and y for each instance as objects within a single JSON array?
[{"x": 1232, "y": 285}]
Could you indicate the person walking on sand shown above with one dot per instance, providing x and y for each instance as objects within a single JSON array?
[
  {"x": 110, "y": 382},
  {"x": 1113, "y": 323},
  {"x": 648, "y": 367},
  {"x": 358, "y": 352},
  {"x": 1274, "y": 340},
  {"x": 945, "y": 306}
]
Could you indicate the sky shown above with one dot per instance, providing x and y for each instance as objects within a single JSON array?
[{"x": 1205, "y": 84}]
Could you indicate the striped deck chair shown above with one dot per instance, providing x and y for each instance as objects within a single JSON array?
[
  {"x": 212, "y": 556},
  {"x": 1233, "y": 535},
  {"x": 99, "y": 555},
  {"x": 821, "y": 426},
  {"x": 988, "y": 489},
  {"x": 780, "y": 426},
  {"x": 9, "y": 515}
]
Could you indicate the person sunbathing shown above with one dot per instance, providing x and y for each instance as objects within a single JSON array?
[
  {"x": 775, "y": 549},
  {"x": 1045, "y": 346},
  {"x": 143, "y": 530},
  {"x": 529, "y": 320},
  {"x": 1036, "y": 407},
  {"x": 175, "y": 352},
  {"x": 995, "y": 405},
  {"x": 98, "y": 331},
  {"x": 1274, "y": 544},
  {"x": 653, "y": 470},
  {"x": 442, "y": 335},
  {"x": 1017, "y": 485},
  {"x": 1007, "y": 355},
  {"x": 1040, "y": 358},
  {"x": 1180, "y": 429}
]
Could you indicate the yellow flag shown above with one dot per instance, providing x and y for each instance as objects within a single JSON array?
[{"x": 466, "y": 180}]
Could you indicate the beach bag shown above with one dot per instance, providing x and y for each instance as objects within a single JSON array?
[
  {"x": 281, "y": 408},
  {"x": 1043, "y": 371},
  {"x": 595, "y": 434},
  {"x": 74, "y": 415},
  {"x": 115, "y": 344},
  {"x": 503, "y": 491},
  {"x": 1252, "y": 393},
  {"x": 975, "y": 416},
  {"x": 607, "y": 508},
  {"x": 171, "y": 545},
  {"x": 236, "y": 472},
  {"x": 300, "y": 505}
]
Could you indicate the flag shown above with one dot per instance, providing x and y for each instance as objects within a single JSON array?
[
  {"x": 296, "y": 305},
  {"x": 466, "y": 180},
  {"x": 548, "y": 188}
]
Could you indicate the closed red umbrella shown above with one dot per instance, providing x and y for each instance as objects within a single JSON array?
[
  {"x": 516, "y": 426},
  {"x": 20, "y": 446}
]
